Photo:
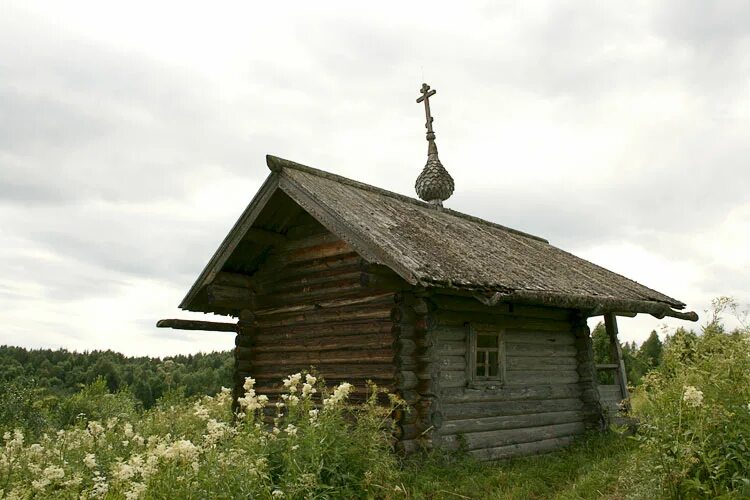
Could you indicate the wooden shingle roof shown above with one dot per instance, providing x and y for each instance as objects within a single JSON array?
[{"x": 446, "y": 249}]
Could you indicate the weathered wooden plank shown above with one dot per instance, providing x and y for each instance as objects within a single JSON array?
[
  {"x": 464, "y": 304},
  {"x": 235, "y": 279},
  {"x": 269, "y": 274},
  {"x": 370, "y": 300},
  {"x": 352, "y": 342},
  {"x": 325, "y": 316},
  {"x": 497, "y": 438},
  {"x": 230, "y": 296},
  {"x": 530, "y": 392},
  {"x": 510, "y": 422},
  {"x": 189, "y": 324},
  {"x": 448, "y": 379},
  {"x": 521, "y": 449},
  {"x": 610, "y": 393},
  {"x": 516, "y": 349},
  {"x": 452, "y": 363},
  {"x": 541, "y": 338},
  {"x": 264, "y": 236},
  {"x": 305, "y": 330},
  {"x": 311, "y": 356},
  {"x": 540, "y": 363},
  {"x": 459, "y": 411},
  {"x": 489, "y": 322},
  {"x": 333, "y": 371},
  {"x": 527, "y": 377}
]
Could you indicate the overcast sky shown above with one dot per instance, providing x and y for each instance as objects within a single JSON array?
[{"x": 133, "y": 134}]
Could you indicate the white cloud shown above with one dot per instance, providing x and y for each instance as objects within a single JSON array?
[{"x": 133, "y": 135}]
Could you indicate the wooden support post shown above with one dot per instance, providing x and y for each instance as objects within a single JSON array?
[{"x": 610, "y": 323}]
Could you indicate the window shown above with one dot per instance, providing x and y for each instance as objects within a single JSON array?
[{"x": 486, "y": 353}]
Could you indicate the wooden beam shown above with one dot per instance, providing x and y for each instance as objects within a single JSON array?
[
  {"x": 610, "y": 323},
  {"x": 188, "y": 324}
]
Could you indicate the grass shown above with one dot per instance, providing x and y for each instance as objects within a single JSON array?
[{"x": 597, "y": 466}]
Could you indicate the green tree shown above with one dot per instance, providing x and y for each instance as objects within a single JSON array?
[{"x": 651, "y": 350}]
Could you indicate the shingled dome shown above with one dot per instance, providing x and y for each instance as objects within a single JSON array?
[{"x": 442, "y": 248}]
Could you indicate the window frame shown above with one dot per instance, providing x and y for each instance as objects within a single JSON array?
[{"x": 471, "y": 354}]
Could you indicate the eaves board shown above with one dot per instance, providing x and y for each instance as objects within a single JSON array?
[
  {"x": 233, "y": 239},
  {"x": 363, "y": 245}
]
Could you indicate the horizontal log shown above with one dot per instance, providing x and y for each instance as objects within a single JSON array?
[
  {"x": 540, "y": 363},
  {"x": 448, "y": 379},
  {"x": 541, "y": 338},
  {"x": 469, "y": 304},
  {"x": 516, "y": 349},
  {"x": 451, "y": 363},
  {"x": 230, "y": 296},
  {"x": 459, "y": 411},
  {"x": 383, "y": 298},
  {"x": 235, "y": 279},
  {"x": 335, "y": 343},
  {"x": 309, "y": 241},
  {"x": 314, "y": 357},
  {"x": 510, "y": 422},
  {"x": 530, "y": 392},
  {"x": 494, "y": 439},
  {"x": 269, "y": 335},
  {"x": 486, "y": 322},
  {"x": 189, "y": 324},
  {"x": 521, "y": 449},
  {"x": 324, "y": 316},
  {"x": 528, "y": 377},
  {"x": 344, "y": 372},
  {"x": 309, "y": 253},
  {"x": 282, "y": 282},
  {"x": 269, "y": 274}
]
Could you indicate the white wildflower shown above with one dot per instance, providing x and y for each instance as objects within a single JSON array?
[
  {"x": 36, "y": 449},
  {"x": 310, "y": 379},
  {"x": 74, "y": 482},
  {"x": 291, "y": 429},
  {"x": 95, "y": 428},
  {"x": 123, "y": 472},
  {"x": 295, "y": 447},
  {"x": 249, "y": 384},
  {"x": 89, "y": 460},
  {"x": 127, "y": 430},
  {"x": 313, "y": 415},
  {"x": 100, "y": 487},
  {"x": 111, "y": 423},
  {"x": 136, "y": 491},
  {"x": 201, "y": 411},
  {"x": 49, "y": 475},
  {"x": 292, "y": 381},
  {"x": 138, "y": 440},
  {"x": 277, "y": 493},
  {"x": 307, "y": 390},
  {"x": 340, "y": 393},
  {"x": 692, "y": 396}
]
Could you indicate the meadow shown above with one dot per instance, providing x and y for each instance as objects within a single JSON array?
[{"x": 693, "y": 441}]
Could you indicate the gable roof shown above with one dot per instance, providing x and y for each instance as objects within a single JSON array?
[{"x": 443, "y": 248}]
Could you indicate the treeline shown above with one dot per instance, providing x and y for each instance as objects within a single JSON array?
[
  {"x": 639, "y": 360},
  {"x": 62, "y": 372}
]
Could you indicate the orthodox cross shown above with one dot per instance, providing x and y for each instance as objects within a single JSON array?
[
  {"x": 434, "y": 185},
  {"x": 426, "y": 94}
]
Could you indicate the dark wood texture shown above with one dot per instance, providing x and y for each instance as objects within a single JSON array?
[{"x": 189, "y": 324}]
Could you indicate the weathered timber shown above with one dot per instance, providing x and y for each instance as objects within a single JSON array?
[
  {"x": 455, "y": 411},
  {"x": 470, "y": 304},
  {"x": 268, "y": 275},
  {"x": 324, "y": 316},
  {"x": 383, "y": 282},
  {"x": 516, "y": 393},
  {"x": 531, "y": 350},
  {"x": 230, "y": 296},
  {"x": 484, "y": 321},
  {"x": 562, "y": 376},
  {"x": 328, "y": 291},
  {"x": 521, "y": 449},
  {"x": 493, "y": 439},
  {"x": 364, "y": 371},
  {"x": 235, "y": 279},
  {"x": 539, "y": 363},
  {"x": 312, "y": 253},
  {"x": 300, "y": 332},
  {"x": 189, "y": 324},
  {"x": 544, "y": 338},
  {"x": 313, "y": 357},
  {"x": 384, "y": 298},
  {"x": 510, "y": 422},
  {"x": 370, "y": 341},
  {"x": 610, "y": 324}
]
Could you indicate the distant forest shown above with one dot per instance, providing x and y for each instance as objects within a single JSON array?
[{"x": 62, "y": 372}]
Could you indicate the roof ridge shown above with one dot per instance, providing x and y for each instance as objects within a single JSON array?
[{"x": 276, "y": 164}]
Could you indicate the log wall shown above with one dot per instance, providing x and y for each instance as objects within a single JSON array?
[
  {"x": 310, "y": 306},
  {"x": 544, "y": 400}
]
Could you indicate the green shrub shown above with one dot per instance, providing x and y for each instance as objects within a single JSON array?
[
  {"x": 695, "y": 413},
  {"x": 21, "y": 407},
  {"x": 317, "y": 446}
]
